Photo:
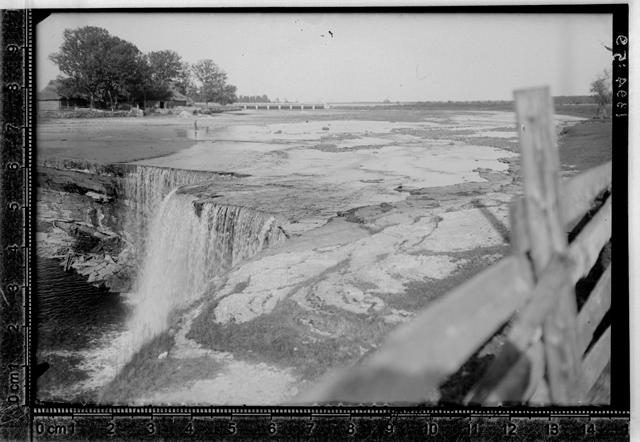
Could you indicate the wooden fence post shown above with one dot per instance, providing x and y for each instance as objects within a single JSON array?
[
  {"x": 540, "y": 164},
  {"x": 518, "y": 234}
]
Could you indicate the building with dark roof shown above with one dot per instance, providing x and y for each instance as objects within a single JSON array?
[
  {"x": 50, "y": 100},
  {"x": 175, "y": 99}
]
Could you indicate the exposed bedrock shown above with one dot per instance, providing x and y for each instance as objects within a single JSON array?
[
  {"x": 282, "y": 316},
  {"x": 95, "y": 218},
  {"x": 320, "y": 300}
]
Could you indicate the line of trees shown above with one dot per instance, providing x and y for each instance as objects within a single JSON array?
[{"x": 107, "y": 70}]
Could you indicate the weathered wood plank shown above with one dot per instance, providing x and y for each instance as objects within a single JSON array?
[
  {"x": 596, "y": 360},
  {"x": 451, "y": 329},
  {"x": 594, "y": 309},
  {"x": 541, "y": 394},
  {"x": 541, "y": 302},
  {"x": 535, "y": 362},
  {"x": 437, "y": 342},
  {"x": 527, "y": 326},
  {"x": 577, "y": 193},
  {"x": 518, "y": 234},
  {"x": 563, "y": 358},
  {"x": 540, "y": 167},
  {"x": 585, "y": 248},
  {"x": 540, "y": 170},
  {"x": 600, "y": 393},
  {"x": 506, "y": 382},
  {"x": 501, "y": 383}
]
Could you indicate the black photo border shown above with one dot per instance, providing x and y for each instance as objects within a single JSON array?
[{"x": 23, "y": 417}]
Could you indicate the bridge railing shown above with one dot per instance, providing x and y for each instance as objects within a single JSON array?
[
  {"x": 282, "y": 106},
  {"x": 552, "y": 353}
]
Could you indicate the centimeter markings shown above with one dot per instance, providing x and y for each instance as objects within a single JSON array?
[
  {"x": 318, "y": 411},
  {"x": 17, "y": 127},
  {"x": 27, "y": 176},
  {"x": 183, "y": 425},
  {"x": 20, "y": 174}
]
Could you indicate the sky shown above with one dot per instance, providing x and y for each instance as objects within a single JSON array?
[{"x": 369, "y": 57}]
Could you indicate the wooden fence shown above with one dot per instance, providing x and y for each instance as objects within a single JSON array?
[{"x": 553, "y": 352}]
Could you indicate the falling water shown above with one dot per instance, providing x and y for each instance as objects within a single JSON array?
[
  {"x": 187, "y": 245},
  {"x": 144, "y": 190}
]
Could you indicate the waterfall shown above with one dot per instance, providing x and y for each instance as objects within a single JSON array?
[
  {"x": 145, "y": 188},
  {"x": 181, "y": 243},
  {"x": 189, "y": 243}
]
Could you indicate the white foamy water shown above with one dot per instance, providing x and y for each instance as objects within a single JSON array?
[
  {"x": 145, "y": 189},
  {"x": 186, "y": 246},
  {"x": 100, "y": 362}
]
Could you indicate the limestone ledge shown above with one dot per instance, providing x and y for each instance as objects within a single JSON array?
[{"x": 352, "y": 272}]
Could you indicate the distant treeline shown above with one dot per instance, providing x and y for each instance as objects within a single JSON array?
[
  {"x": 579, "y": 105},
  {"x": 559, "y": 100}
]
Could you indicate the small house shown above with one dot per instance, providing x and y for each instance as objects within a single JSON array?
[
  {"x": 50, "y": 100},
  {"x": 176, "y": 98}
]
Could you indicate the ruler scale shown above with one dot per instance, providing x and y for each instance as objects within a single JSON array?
[{"x": 193, "y": 423}]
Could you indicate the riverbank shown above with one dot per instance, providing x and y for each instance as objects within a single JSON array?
[
  {"x": 586, "y": 145},
  {"x": 111, "y": 140}
]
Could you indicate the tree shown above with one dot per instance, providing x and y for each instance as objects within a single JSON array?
[
  {"x": 98, "y": 66},
  {"x": 166, "y": 69},
  {"x": 228, "y": 95},
  {"x": 165, "y": 66},
  {"x": 213, "y": 83},
  {"x": 184, "y": 79},
  {"x": 68, "y": 88},
  {"x": 127, "y": 69},
  {"x": 601, "y": 90},
  {"x": 80, "y": 57}
]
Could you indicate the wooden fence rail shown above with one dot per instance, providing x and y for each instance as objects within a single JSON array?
[{"x": 559, "y": 234}]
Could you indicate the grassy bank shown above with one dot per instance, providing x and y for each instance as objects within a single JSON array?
[{"x": 586, "y": 144}]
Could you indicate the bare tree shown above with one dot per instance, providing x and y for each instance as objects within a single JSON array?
[{"x": 601, "y": 91}]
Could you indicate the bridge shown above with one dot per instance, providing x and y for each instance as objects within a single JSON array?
[{"x": 283, "y": 106}]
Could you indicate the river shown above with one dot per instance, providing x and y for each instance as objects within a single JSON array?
[{"x": 75, "y": 323}]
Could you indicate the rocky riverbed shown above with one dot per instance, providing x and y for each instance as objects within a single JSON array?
[{"x": 377, "y": 218}]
